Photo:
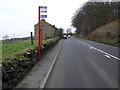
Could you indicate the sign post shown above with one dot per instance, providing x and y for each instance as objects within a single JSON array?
[
  {"x": 39, "y": 33},
  {"x": 41, "y": 9}
]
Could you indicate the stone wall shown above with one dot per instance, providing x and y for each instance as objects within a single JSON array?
[{"x": 15, "y": 69}]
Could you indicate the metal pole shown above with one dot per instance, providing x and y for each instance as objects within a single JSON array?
[
  {"x": 41, "y": 36},
  {"x": 39, "y": 33}
]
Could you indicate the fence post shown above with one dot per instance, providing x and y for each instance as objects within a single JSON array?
[{"x": 31, "y": 37}]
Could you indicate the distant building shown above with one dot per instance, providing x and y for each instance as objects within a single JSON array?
[{"x": 48, "y": 30}]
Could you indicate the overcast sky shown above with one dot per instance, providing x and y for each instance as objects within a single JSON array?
[{"x": 18, "y": 17}]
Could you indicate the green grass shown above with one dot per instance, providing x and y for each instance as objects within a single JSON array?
[{"x": 10, "y": 49}]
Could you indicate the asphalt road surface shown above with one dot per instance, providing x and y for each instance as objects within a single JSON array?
[{"x": 85, "y": 64}]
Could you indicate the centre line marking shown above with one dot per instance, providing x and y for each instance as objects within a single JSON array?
[
  {"x": 107, "y": 56},
  {"x": 91, "y": 47},
  {"x": 106, "y": 53}
]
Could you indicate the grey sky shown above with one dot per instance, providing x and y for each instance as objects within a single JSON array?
[{"x": 19, "y": 16}]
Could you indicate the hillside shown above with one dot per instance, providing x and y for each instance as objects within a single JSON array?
[
  {"x": 107, "y": 34},
  {"x": 108, "y": 30}
]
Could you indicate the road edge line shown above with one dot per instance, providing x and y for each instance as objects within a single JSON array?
[{"x": 51, "y": 67}]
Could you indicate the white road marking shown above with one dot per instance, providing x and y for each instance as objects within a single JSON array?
[
  {"x": 99, "y": 50},
  {"x": 106, "y": 53},
  {"x": 91, "y": 47},
  {"x": 107, "y": 56},
  {"x": 83, "y": 43},
  {"x": 48, "y": 74}
]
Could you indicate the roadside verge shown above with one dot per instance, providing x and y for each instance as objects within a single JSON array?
[{"x": 15, "y": 69}]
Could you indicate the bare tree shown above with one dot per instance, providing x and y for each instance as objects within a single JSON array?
[{"x": 93, "y": 15}]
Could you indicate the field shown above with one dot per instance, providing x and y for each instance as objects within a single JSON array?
[{"x": 10, "y": 49}]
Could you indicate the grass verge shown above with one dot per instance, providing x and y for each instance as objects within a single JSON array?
[
  {"x": 106, "y": 40},
  {"x": 10, "y": 50}
]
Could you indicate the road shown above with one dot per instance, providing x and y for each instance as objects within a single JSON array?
[{"x": 85, "y": 64}]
